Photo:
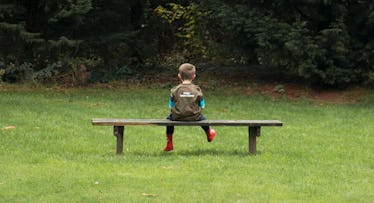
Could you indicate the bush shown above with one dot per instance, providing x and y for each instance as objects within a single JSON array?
[
  {"x": 66, "y": 71},
  {"x": 321, "y": 45},
  {"x": 18, "y": 72}
]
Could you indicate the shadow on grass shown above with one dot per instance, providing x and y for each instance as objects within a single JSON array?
[{"x": 195, "y": 152}]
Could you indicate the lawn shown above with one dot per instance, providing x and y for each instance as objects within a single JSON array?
[{"x": 50, "y": 152}]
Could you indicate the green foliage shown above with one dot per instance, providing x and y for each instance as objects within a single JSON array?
[
  {"x": 325, "y": 42},
  {"x": 66, "y": 70},
  {"x": 312, "y": 39},
  {"x": 191, "y": 25},
  {"x": 279, "y": 89},
  {"x": 2, "y": 70},
  {"x": 48, "y": 32},
  {"x": 39, "y": 33},
  {"x": 18, "y": 72},
  {"x": 44, "y": 24},
  {"x": 47, "y": 74}
]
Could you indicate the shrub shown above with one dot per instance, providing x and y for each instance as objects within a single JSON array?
[
  {"x": 18, "y": 72},
  {"x": 317, "y": 40}
]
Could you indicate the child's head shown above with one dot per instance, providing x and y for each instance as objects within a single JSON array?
[{"x": 187, "y": 71}]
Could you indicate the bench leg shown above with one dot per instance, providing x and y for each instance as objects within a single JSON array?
[
  {"x": 118, "y": 132},
  {"x": 253, "y": 133}
]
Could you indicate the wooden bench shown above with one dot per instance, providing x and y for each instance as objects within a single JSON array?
[{"x": 254, "y": 127}]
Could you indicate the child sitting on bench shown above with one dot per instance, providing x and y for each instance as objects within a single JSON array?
[{"x": 186, "y": 103}]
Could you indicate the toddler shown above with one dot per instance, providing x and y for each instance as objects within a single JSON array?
[{"x": 186, "y": 103}]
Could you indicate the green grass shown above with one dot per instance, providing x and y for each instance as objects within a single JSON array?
[{"x": 323, "y": 153}]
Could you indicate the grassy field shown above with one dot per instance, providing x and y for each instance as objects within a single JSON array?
[{"x": 323, "y": 153}]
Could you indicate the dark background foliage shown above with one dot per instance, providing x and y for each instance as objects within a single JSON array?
[{"x": 73, "y": 42}]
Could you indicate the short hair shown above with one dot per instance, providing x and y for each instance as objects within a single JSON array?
[{"x": 187, "y": 71}]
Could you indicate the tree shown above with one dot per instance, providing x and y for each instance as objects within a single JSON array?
[
  {"x": 112, "y": 36},
  {"x": 38, "y": 32},
  {"x": 327, "y": 42},
  {"x": 36, "y": 24},
  {"x": 52, "y": 36},
  {"x": 323, "y": 41}
]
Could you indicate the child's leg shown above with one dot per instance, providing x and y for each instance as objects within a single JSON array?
[
  {"x": 205, "y": 127},
  {"x": 169, "y": 136},
  {"x": 169, "y": 130},
  {"x": 210, "y": 133}
]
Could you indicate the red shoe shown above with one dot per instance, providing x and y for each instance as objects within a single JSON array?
[
  {"x": 211, "y": 135},
  {"x": 169, "y": 144},
  {"x": 169, "y": 147}
]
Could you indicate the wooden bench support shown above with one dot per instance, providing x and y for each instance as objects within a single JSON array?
[
  {"x": 118, "y": 132},
  {"x": 253, "y": 133}
]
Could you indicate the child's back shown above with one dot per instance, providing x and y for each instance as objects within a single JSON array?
[{"x": 187, "y": 100}]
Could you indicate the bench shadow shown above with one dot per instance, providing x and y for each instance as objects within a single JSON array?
[{"x": 196, "y": 152}]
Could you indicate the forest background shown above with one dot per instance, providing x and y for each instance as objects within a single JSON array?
[{"x": 74, "y": 42}]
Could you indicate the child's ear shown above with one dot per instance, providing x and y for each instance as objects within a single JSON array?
[{"x": 179, "y": 76}]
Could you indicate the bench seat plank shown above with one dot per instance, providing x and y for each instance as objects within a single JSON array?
[{"x": 165, "y": 122}]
